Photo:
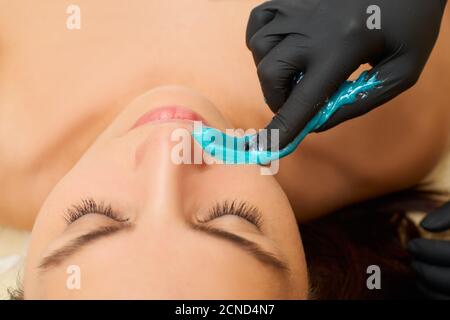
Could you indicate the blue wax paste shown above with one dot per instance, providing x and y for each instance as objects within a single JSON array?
[{"x": 231, "y": 150}]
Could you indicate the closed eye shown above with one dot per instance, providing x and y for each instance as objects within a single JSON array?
[
  {"x": 239, "y": 209},
  {"x": 234, "y": 208},
  {"x": 90, "y": 206}
]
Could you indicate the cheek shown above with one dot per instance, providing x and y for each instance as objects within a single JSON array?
[
  {"x": 97, "y": 174},
  {"x": 50, "y": 221},
  {"x": 228, "y": 182}
]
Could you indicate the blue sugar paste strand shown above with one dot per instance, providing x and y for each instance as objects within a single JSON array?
[{"x": 231, "y": 150}]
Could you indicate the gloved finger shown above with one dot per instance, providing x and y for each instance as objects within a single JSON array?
[
  {"x": 321, "y": 79},
  {"x": 260, "y": 37},
  {"x": 431, "y": 251},
  {"x": 396, "y": 75},
  {"x": 431, "y": 293},
  {"x": 262, "y": 43},
  {"x": 435, "y": 277},
  {"x": 438, "y": 220},
  {"x": 278, "y": 69},
  {"x": 259, "y": 17}
]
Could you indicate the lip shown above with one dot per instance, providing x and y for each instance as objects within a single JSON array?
[{"x": 168, "y": 113}]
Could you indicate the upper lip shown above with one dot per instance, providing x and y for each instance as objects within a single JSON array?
[{"x": 169, "y": 112}]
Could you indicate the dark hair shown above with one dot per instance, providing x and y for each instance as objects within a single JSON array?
[
  {"x": 341, "y": 246},
  {"x": 16, "y": 293}
]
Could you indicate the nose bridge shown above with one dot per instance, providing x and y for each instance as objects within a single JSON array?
[{"x": 159, "y": 179}]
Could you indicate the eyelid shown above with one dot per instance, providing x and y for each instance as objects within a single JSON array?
[
  {"x": 90, "y": 206},
  {"x": 240, "y": 209}
]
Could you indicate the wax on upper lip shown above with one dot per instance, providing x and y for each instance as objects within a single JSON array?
[{"x": 231, "y": 150}]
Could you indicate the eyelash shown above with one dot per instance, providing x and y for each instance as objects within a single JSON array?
[
  {"x": 90, "y": 206},
  {"x": 233, "y": 208}
]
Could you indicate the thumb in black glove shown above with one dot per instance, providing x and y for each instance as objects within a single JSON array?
[
  {"x": 432, "y": 257},
  {"x": 327, "y": 40}
]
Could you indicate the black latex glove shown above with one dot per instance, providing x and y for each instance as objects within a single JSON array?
[
  {"x": 432, "y": 257},
  {"x": 328, "y": 40}
]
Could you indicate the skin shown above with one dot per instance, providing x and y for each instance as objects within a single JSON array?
[
  {"x": 60, "y": 89},
  {"x": 162, "y": 257}
]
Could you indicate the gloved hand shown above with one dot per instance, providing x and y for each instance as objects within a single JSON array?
[
  {"x": 432, "y": 257},
  {"x": 329, "y": 39}
]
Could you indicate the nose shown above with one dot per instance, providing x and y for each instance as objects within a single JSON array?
[{"x": 160, "y": 179}]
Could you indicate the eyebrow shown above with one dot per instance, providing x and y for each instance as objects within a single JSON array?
[
  {"x": 75, "y": 245},
  {"x": 58, "y": 256},
  {"x": 250, "y": 247}
]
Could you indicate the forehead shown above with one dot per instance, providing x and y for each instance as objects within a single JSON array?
[{"x": 130, "y": 266}]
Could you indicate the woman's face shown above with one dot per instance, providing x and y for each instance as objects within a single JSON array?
[{"x": 127, "y": 222}]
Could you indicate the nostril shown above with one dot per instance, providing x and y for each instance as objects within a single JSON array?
[{"x": 139, "y": 154}]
